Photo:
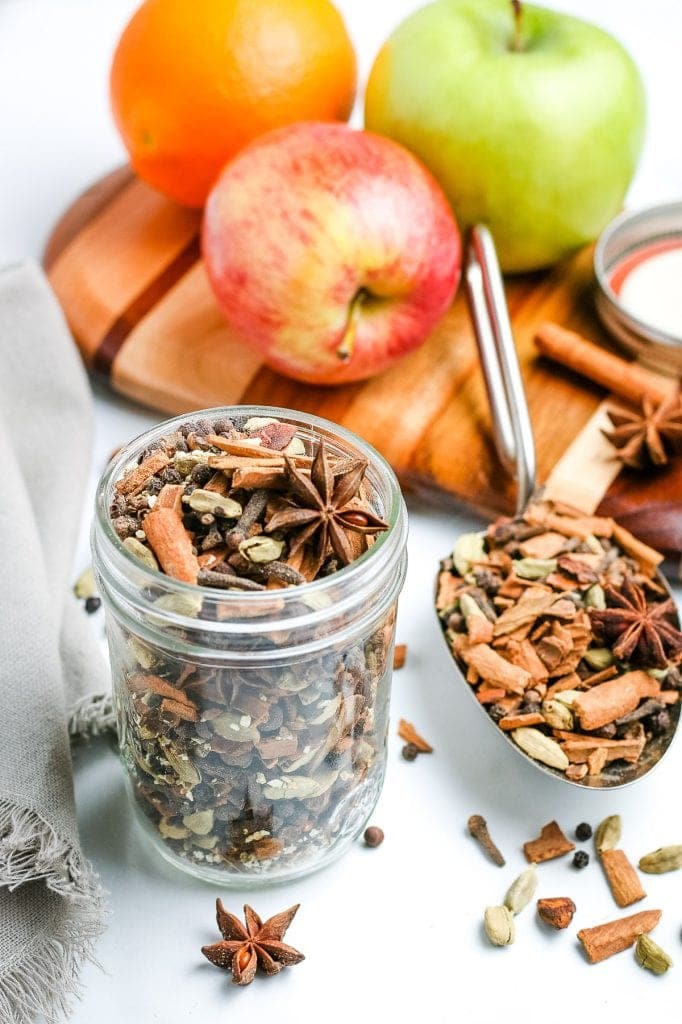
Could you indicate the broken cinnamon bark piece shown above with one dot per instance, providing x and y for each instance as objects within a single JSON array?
[
  {"x": 604, "y": 940},
  {"x": 171, "y": 543},
  {"x": 550, "y": 843},
  {"x": 133, "y": 482},
  {"x": 611, "y": 700},
  {"x": 409, "y": 734},
  {"x": 622, "y": 877}
]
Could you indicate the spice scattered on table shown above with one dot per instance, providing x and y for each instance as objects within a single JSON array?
[
  {"x": 409, "y": 734},
  {"x": 478, "y": 828},
  {"x": 605, "y": 940},
  {"x": 650, "y": 955},
  {"x": 565, "y": 636},
  {"x": 550, "y": 843},
  {"x": 399, "y": 656},
  {"x": 243, "y": 949},
  {"x": 556, "y": 911},
  {"x": 410, "y": 752},
  {"x": 521, "y": 891},
  {"x": 583, "y": 832},
  {"x": 499, "y": 925},
  {"x": 666, "y": 858},
  {"x": 373, "y": 836},
  {"x": 581, "y": 859}
]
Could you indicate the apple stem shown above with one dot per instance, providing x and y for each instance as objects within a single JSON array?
[
  {"x": 517, "y": 44},
  {"x": 345, "y": 349}
]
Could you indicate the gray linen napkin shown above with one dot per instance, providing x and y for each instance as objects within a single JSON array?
[{"x": 52, "y": 678}]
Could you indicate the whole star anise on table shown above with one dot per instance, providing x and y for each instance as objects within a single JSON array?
[
  {"x": 243, "y": 949},
  {"x": 650, "y": 435},
  {"x": 641, "y": 631},
  {"x": 322, "y": 509}
]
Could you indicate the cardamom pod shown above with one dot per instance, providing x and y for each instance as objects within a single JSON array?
[
  {"x": 541, "y": 747},
  {"x": 557, "y": 714},
  {"x": 650, "y": 955},
  {"x": 85, "y": 586},
  {"x": 499, "y": 925},
  {"x": 534, "y": 568},
  {"x": 595, "y": 597},
  {"x": 141, "y": 552},
  {"x": 261, "y": 549},
  {"x": 468, "y": 606},
  {"x": 179, "y": 604},
  {"x": 469, "y": 548},
  {"x": 599, "y": 658},
  {"x": 667, "y": 858},
  {"x": 210, "y": 501},
  {"x": 200, "y": 823},
  {"x": 522, "y": 890},
  {"x": 608, "y": 833}
]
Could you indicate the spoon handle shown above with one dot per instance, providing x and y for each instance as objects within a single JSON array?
[{"x": 512, "y": 428}]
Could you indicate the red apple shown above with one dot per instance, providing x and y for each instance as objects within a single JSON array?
[{"x": 332, "y": 251}]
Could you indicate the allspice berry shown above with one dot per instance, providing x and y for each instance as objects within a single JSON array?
[{"x": 373, "y": 836}]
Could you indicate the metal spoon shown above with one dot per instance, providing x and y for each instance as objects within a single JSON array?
[{"x": 515, "y": 446}]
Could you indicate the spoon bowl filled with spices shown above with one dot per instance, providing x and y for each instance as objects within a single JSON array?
[{"x": 560, "y": 623}]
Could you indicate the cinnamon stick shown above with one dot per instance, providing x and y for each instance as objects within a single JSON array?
[
  {"x": 627, "y": 379},
  {"x": 622, "y": 877},
  {"x": 604, "y": 940},
  {"x": 171, "y": 544},
  {"x": 608, "y": 701}
]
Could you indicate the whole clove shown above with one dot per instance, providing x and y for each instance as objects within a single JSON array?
[{"x": 478, "y": 828}]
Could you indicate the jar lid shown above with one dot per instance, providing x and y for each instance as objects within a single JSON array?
[{"x": 638, "y": 266}]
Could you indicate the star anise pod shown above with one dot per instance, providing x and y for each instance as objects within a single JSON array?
[
  {"x": 650, "y": 435},
  {"x": 322, "y": 510},
  {"x": 243, "y": 949},
  {"x": 641, "y": 631}
]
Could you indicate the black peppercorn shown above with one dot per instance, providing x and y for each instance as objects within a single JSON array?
[
  {"x": 583, "y": 832},
  {"x": 659, "y": 723},
  {"x": 92, "y": 604},
  {"x": 581, "y": 859},
  {"x": 373, "y": 836},
  {"x": 410, "y": 751},
  {"x": 496, "y": 712}
]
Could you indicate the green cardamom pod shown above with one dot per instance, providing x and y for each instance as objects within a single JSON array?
[
  {"x": 599, "y": 658},
  {"x": 534, "y": 568},
  {"x": 261, "y": 549},
  {"x": 557, "y": 714},
  {"x": 595, "y": 597},
  {"x": 522, "y": 890},
  {"x": 608, "y": 833},
  {"x": 468, "y": 606},
  {"x": 499, "y": 925},
  {"x": 85, "y": 586},
  {"x": 469, "y": 548},
  {"x": 540, "y": 747},
  {"x": 667, "y": 858},
  {"x": 141, "y": 552},
  {"x": 650, "y": 955},
  {"x": 202, "y": 501}
]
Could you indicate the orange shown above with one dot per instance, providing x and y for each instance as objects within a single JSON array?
[{"x": 193, "y": 81}]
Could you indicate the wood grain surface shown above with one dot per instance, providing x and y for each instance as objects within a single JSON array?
[{"x": 125, "y": 265}]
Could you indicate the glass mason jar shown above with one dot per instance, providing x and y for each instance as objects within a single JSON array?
[{"x": 253, "y": 725}]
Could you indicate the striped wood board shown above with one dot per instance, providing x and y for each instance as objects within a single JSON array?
[{"x": 125, "y": 265}]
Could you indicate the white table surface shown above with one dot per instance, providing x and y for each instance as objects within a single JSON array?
[{"x": 394, "y": 932}]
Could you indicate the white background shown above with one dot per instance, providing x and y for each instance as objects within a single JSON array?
[{"x": 396, "y": 932}]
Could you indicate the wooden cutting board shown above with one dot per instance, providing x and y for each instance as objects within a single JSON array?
[{"x": 124, "y": 263}]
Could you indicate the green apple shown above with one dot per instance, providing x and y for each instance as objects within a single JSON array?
[{"x": 532, "y": 121}]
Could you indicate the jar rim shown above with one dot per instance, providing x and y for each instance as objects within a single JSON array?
[{"x": 385, "y": 542}]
